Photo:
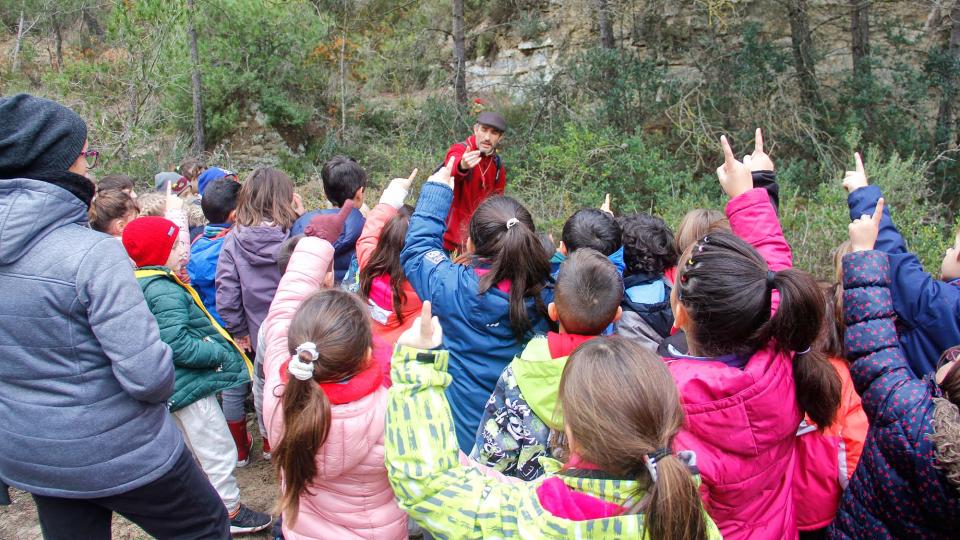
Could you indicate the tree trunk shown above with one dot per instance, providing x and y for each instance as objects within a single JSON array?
[
  {"x": 803, "y": 53},
  {"x": 459, "y": 54},
  {"x": 198, "y": 138},
  {"x": 606, "y": 25},
  {"x": 945, "y": 113},
  {"x": 58, "y": 40},
  {"x": 860, "y": 38},
  {"x": 16, "y": 46}
]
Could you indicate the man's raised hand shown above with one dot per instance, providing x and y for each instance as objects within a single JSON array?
[
  {"x": 864, "y": 230},
  {"x": 470, "y": 160},
  {"x": 735, "y": 177},
  {"x": 856, "y": 179}
]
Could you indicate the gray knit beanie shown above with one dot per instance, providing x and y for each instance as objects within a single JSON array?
[{"x": 38, "y": 136}]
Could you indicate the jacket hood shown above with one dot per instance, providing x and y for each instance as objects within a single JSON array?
[
  {"x": 259, "y": 245},
  {"x": 538, "y": 376},
  {"x": 29, "y": 211}
]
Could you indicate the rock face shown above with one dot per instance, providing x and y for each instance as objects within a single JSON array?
[{"x": 668, "y": 31}]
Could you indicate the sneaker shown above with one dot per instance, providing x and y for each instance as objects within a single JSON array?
[
  {"x": 249, "y": 521},
  {"x": 266, "y": 450}
]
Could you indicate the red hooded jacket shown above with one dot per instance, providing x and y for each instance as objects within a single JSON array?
[{"x": 470, "y": 189}]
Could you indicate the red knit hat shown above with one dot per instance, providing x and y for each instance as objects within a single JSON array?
[{"x": 149, "y": 240}]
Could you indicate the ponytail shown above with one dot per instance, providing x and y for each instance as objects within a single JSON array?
[
  {"x": 385, "y": 259},
  {"x": 674, "y": 509},
  {"x": 107, "y": 206},
  {"x": 727, "y": 289},
  {"x": 505, "y": 236},
  {"x": 306, "y": 424}
]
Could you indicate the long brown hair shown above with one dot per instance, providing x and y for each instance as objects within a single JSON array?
[
  {"x": 107, "y": 206},
  {"x": 338, "y": 323},
  {"x": 385, "y": 259},
  {"x": 726, "y": 287},
  {"x": 266, "y": 195},
  {"x": 514, "y": 253},
  {"x": 619, "y": 404}
]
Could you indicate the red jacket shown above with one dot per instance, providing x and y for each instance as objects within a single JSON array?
[{"x": 470, "y": 189}]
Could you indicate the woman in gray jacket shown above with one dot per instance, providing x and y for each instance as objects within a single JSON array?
[{"x": 84, "y": 376}]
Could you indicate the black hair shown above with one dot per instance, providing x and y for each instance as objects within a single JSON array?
[
  {"x": 727, "y": 288},
  {"x": 648, "y": 244},
  {"x": 514, "y": 253},
  {"x": 342, "y": 177},
  {"x": 548, "y": 246},
  {"x": 219, "y": 199},
  {"x": 285, "y": 251},
  {"x": 588, "y": 292},
  {"x": 592, "y": 228}
]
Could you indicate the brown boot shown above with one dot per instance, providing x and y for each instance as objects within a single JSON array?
[{"x": 243, "y": 441}]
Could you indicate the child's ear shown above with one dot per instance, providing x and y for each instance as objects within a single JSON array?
[
  {"x": 369, "y": 353},
  {"x": 358, "y": 197},
  {"x": 117, "y": 226},
  {"x": 681, "y": 319},
  {"x": 232, "y": 216},
  {"x": 618, "y": 314},
  {"x": 562, "y": 249},
  {"x": 552, "y": 312}
]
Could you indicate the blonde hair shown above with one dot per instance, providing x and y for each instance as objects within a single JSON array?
[
  {"x": 108, "y": 206},
  {"x": 152, "y": 204},
  {"x": 696, "y": 224}
]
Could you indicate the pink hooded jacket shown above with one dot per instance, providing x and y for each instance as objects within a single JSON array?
[
  {"x": 742, "y": 423},
  {"x": 351, "y": 497}
]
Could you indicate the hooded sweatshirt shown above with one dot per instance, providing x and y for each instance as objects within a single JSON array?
[
  {"x": 85, "y": 377},
  {"x": 247, "y": 277}
]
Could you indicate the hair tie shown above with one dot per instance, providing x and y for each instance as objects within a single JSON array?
[
  {"x": 771, "y": 279},
  {"x": 805, "y": 351},
  {"x": 511, "y": 222},
  {"x": 303, "y": 371},
  {"x": 651, "y": 459}
]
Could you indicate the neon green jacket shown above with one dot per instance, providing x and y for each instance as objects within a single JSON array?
[{"x": 451, "y": 500}]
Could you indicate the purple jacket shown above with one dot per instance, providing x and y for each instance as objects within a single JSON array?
[{"x": 247, "y": 278}]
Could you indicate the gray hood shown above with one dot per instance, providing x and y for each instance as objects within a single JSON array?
[{"x": 30, "y": 210}]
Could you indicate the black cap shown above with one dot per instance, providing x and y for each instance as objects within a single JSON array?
[
  {"x": 493, "y": 120},
  {"x": 38, "y": 136}
]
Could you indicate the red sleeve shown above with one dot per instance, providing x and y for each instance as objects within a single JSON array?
[{"x": 457, "y": 150}]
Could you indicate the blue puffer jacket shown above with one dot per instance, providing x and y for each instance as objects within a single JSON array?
[
  {"x": 84, "y": 377},
  {"x": 898, "y": 490},
  {"x": 476, "y": 328},
  {"x": 928, "y": 309},
  {"x": 345, "y": 247},
  {"x": 204, "y": 254}
]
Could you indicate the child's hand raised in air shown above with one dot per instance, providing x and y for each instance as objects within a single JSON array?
[
  {"x": 425, "y": 333},
  {"x": 758, "y": 160},
  {"x": 174, "y": 202},
  {"x": 864, "y": 230},
  {"x": 397, "y": 190},
  {"x": 854, "y": 180},
  {"x": 735, "y": 177},
  {"x": 605, "y": 207},
  {"x": 329, "y": 226},
  {"x": 444, "y": 175}
]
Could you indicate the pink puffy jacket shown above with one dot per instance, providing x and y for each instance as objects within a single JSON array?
[
  {"x": 351, "y": 497},
  {"x": 742, "y": 423}
]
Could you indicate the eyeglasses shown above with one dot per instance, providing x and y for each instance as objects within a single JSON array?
[{"x": 92, "y": 157}]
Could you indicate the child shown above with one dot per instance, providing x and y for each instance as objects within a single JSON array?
[
  {"x": 111, "y": 211},
  {"x": 117, "y": 182},
  {"x": 495, "y": 301},
  {"x": 595, "y": 229},
  {"x": 907, "y": 482},
  {"x": 827, "y": 458},
  {"x": 621, "y": 413},
  {"x": 648, "y": 251},
  {"x": 205, "y": 359},
  {"x": 522, "y": 412},
  {"x": 191, "y": 169},
  {"x": 247, "y": 275},
  {"x": 750, "y": 320},
  {"x": 343, "y": 179},
  {"x": 324, "y": 403},
  {"x": 219, "y": 207},
  {"x": 152, "y": 203},
  {"x": 928, "y": 309},
  {"x": 392, "y": 301}
]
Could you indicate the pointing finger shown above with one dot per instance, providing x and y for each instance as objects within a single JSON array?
[
  {"x": 878, "y": 213},
  {"x": 426, "y": 322},
  {"x": 451, "y": 164},
  {"x": 413, "y": 174},
  {"x": 758, "y": 141},
  {"x": 728, "y": 156},
  {"x": 860, "y": 169}
]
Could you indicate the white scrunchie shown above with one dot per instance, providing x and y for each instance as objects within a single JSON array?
[
  {"x": 303, "y": 371},
  {"x": 511, "y": 222}
]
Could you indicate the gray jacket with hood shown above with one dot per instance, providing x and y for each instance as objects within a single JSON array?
[{"x": 84, "y": 376}]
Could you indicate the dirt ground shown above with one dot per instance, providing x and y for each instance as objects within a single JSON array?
[{"x": 258, "y": 490}]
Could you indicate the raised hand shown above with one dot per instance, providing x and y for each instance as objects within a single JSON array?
[
  {"x": 174, "y": 202},
  {"x": 298, "y": 204},
  {"x": 605, "y": 207},
  {"x": 425, "y": 333},
  {"x": 864, "y": 230},
  {"x": 329, "y": 226},
  {"x": 397, "y": 190},
  {"x": 444, "y": 175},
  {"x": 735, "y": 177},
  {"x": 758, "y": 160},
  {"x": 856, "y": 179},
  {"x": 470, "y": 160}
]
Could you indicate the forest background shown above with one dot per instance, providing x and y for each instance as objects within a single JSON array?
[{"x": 627, "y": 97}]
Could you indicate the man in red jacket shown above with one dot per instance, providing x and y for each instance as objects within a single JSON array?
[{"x": 479, "y": 174}]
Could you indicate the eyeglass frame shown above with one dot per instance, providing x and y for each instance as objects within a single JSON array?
[{"x": 87, "y": 154}]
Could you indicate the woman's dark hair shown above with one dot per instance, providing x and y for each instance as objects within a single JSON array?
[
  {"x": 648, "y": 244},
  {"x": 592, "y": 228},
  {"x": 727, "y": 288},
  {"x": 339, "y": 324},
  {"x": 620, "y": 404},
  {"x": 514, "y": 253},
  {"x": 385, "y": 259}
]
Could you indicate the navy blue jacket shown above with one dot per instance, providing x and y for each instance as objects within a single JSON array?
[
  {"x": 346, "y": 245},
  {"x": 476, "y": 327},
  {"x": 928, "y": 309},
  {"x": 897, "y": 490}
]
